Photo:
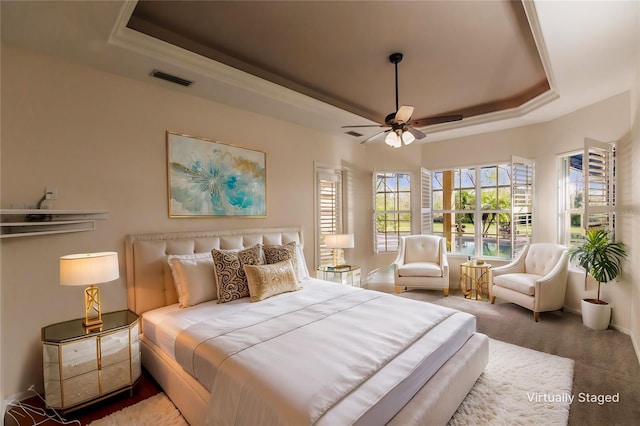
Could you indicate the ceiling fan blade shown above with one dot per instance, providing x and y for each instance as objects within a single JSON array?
[
  {"x": 404, "y": 114},
  {"x": 416, "y": 133},
  {"x": 366, "y": 125},
  {"x": 371, "y": 138},
  {"x": 427, "y": 121}
]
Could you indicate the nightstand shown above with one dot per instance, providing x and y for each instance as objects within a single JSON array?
[
  {"x": 340, "y": 274},
  {"x": 84, "y": 366}
]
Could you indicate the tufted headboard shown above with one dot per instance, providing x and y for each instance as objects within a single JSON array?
[{"x": 149, "y": 281}]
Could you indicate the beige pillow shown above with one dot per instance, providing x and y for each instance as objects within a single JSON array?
[
  {"x": 276, "y": 253},
  {"x": 229, "y": 272},
  {"x": 268, "y": 280},
  {"x": 193, "y": 275}
]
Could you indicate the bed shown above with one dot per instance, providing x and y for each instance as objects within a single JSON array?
[{"x": 245, "y": 363}]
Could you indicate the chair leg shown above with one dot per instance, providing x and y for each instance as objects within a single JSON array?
[
  {"x": 493, "y": 299},
  {"x": 446, "y": 291},
  {"x": 536, "y": 316},
  {"x": 399, "y": 289}
]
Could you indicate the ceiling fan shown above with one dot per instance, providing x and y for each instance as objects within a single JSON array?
[{"x": 401, "y": 127}]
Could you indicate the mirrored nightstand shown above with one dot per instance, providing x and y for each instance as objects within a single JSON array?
[
  {"x": 346, "y": 274},
  {"x": 84, "y": 365}
]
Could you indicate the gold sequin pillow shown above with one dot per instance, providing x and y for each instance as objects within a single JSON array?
[
  {"x": 275, "y": 254},
  {"x": 268, "y": 280},
  {"x": 229, "y": 271}
]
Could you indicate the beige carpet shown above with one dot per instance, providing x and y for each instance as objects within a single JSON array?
[
  {"x": 157, "y": 410},
  {"x": 519, "y": 386}
]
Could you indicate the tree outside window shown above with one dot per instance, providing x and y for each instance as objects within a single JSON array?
[{"x": 472, "y": 210}]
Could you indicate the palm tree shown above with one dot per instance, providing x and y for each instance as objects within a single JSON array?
[{"x": 599, "y": 256}]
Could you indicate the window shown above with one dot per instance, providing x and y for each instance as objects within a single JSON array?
[
  {"x": 484, "y": 211},
  {"x": 329, "y": 210},
  {"x": 392, "y": 210},
  {"x": 586, "y": 191},
  {"x": 571, "y": 203}
]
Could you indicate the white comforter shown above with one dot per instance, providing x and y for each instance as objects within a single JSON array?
[{"x": 291, "y": 358}]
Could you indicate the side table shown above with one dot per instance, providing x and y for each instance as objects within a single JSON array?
[
  {"x": 474, "y": 280},
  {"x": 346, "y": 274},
  {"x": 82, "y": 366}
]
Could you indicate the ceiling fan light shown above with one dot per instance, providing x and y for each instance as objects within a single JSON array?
[
  {"x": 391, "y": 139},
  {"x": 407, "y": 138}
]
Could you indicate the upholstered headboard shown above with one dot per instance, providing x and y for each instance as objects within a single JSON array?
[{"x": 149, "y": 281}]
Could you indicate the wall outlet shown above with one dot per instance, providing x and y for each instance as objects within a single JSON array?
[{"x": 51, "y": 193}]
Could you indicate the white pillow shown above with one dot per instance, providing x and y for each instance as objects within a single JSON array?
[
  {"x": 302, "y": 272},
  {"x": 194, "y": 277}
]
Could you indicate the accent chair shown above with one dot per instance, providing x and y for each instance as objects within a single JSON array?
[
  {"x": 422, "y": 263},
  {"x": 536, "y": 279}
]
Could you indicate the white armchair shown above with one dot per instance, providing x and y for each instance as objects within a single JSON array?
[
  {"x": 536, "y": 279},
  {"x": 422, "y": 263}
]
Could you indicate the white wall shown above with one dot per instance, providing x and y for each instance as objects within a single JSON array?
[
  {"x": 608, "y": 120},
  {"x": 100, "y": 139}
]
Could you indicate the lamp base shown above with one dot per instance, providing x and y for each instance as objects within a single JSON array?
[
  {"x": 92, "y": 312},
  {"x": 92, "y": 322}
]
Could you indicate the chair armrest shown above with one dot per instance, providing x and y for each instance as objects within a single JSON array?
[
  {"x": 551, "y": 289},
  {"x": 516, "y": 266},
  {"x": 399, "y": 261}
]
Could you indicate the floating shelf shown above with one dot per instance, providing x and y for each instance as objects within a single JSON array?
[{"x": 29, "y": 222}]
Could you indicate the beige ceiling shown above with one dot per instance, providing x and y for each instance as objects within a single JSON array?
[
  {"x": 325, "y": 64},
  {"x": 460, "y": 57}
]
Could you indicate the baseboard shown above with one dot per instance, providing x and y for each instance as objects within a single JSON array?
[
  {"x": 636, "y": 347},
  {"x": 614, "y": 326},
  {"x": 20, "y": 396}
]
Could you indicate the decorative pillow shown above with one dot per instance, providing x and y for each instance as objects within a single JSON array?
[
  {"x": 229, "y": 272},
  {"x": 194, "y": 278},
  {"x": 268, "y": 280},
  {"x": 275, "y": 254}
]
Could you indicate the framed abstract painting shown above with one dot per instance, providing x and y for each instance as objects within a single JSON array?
[{"x": 208, "y": 178}]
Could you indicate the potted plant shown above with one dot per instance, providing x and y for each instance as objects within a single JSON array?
[{"x": 600, "y": 257}]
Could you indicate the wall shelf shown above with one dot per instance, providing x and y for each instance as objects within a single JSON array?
[{"x": 29, "y": 222}]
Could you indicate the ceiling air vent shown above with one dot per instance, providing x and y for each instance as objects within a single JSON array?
[
  {"x": 354, "y": 134},
  {"x": 171, "y": 78}
]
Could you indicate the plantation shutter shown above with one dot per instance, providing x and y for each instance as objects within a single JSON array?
[
  {"x": 425, "y": 202},
  {"x": 329, "y": 189},
  {"x": 599, "y": 171},
  {"x": 522, "y": 179}
]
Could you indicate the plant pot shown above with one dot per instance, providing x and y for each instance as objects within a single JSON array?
[{"x": 596, "y": 314}]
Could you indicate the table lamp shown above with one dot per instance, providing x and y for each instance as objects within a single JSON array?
[
  {"x": 337, "y": 242},
  {"x": 90, "y": 269}
]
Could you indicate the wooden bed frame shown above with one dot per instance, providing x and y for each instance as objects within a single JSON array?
[{"x": 150, "y": 286}]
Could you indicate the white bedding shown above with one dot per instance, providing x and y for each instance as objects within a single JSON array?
[{"x": 356, "y": 376}]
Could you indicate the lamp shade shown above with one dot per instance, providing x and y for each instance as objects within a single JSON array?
[
  {"x": 89, "y": 268},
  {"x": 407, "y": 137},
  {"x": 391, "y": 139},
  {"x": 339, "y": 241}
]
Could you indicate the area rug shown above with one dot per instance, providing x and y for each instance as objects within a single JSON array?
[
  {"x": 157, "y": 410},
  {"x": 519, "y": 386}
]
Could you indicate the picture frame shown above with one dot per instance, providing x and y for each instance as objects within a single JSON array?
[{"x": 208, "y": 178}]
